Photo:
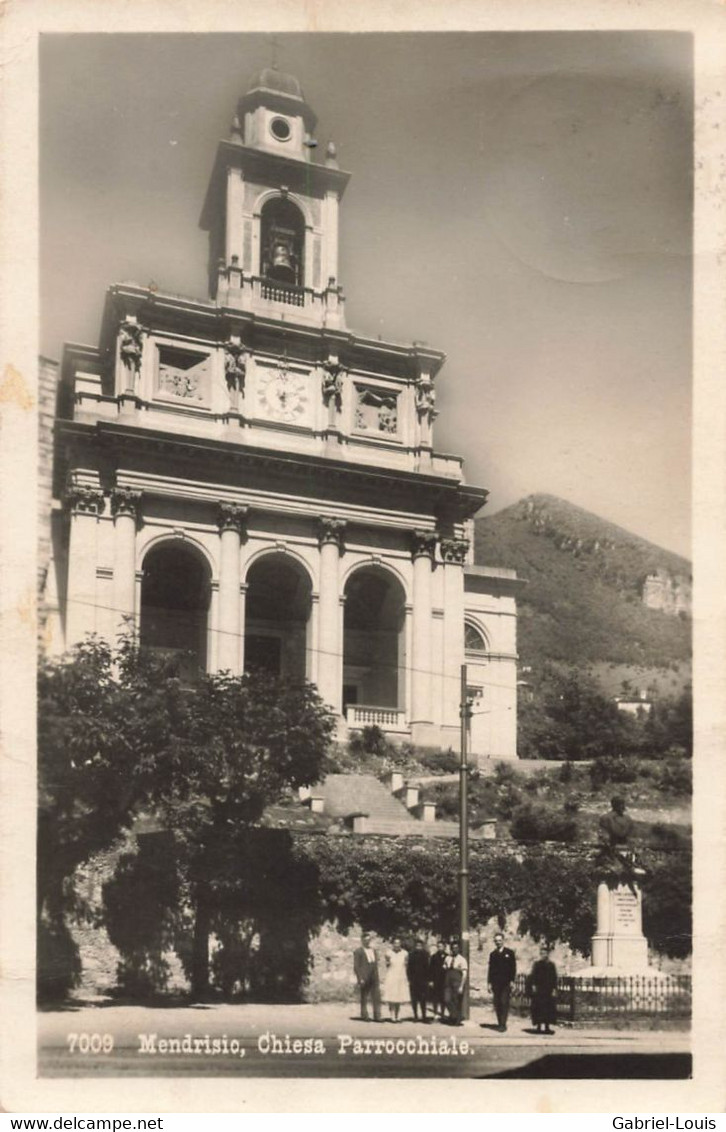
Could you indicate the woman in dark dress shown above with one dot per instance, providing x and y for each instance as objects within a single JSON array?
[{"x": 543, "y": 985}]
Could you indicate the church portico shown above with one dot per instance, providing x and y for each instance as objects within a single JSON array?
[{"x": 254, "y": 484}]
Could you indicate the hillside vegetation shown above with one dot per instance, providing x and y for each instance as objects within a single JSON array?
[{"x": 583, "y": 604}]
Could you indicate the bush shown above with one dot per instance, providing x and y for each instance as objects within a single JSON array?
[
  {"x": 539, "y": 823},
  {"x": 667, "y": 837},
  {"x": 437, "y": 760},
  {"x": 667, "y": 899},
  {"x": 506, "y": 801},
  {"x": 566, "y": 773},
  {"x": 507, "y": 775},
  {"x": 606, "y": 770},
  {"x": 675, "y": 775},
  {"x": 370, "y": 741}
]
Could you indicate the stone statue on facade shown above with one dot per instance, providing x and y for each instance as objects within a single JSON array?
[
  {"x": 235, "y": 368},
  {"x": 333, "y": 383},
  {"x": 131, "y": 348},
  {"x": 426, "y": 398}
]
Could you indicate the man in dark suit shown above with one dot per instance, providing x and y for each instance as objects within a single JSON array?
[
  {"x": 418, "y": 978},
  {"x": 365, "y": 965},
  {"x": 502, "y": 972},
  {"x": 437, "y": 976}
]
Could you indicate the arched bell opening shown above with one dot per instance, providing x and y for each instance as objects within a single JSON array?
[
  {"x": 282, "y": 244},
  {"x": 277, "y": 618},
  {"x": 175, "y": 598},
  {"x": 374, "y": 640}
]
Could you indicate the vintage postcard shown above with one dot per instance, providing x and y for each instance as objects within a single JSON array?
[{"x": 362, "y": 557}]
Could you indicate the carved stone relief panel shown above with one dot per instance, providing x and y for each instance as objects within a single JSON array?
[
  {"x": 182, "y": 376},
  {"x": 376, "y": 410}
]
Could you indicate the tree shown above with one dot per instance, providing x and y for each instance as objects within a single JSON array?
[
  {"x": 86, "y": 793},
  {"x": 559, "y": 898},
  {"x": 120, "y": 732},
  {"x": 570, "y": 718},
  {"x": 667, "y": 903},
  {"x": 233, "y": 745}
]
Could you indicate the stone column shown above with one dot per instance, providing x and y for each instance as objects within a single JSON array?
[
  {"x": 86, "y": 504},
  {"x": 231, "y": 521},
  {"x": 125, "y": 510},
  {"x": 453, "y": 551},
  {"x": 422, "y": 551},
  {"x": 330, "y": 213},
  {"x": 330, "y": 650},
  {"x": 242, "y": 616},
  {"x": 235, "y": 211}
]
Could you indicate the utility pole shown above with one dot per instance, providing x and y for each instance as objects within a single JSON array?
[{"x": 465, "y": 715}]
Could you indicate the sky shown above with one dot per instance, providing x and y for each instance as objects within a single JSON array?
[{"x": 520, "y": 201}]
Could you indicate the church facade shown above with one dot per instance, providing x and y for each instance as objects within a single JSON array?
[{"x": 253, "y": 484}]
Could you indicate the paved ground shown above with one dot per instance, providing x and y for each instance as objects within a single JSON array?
[{"x": 330, "y": 1040}]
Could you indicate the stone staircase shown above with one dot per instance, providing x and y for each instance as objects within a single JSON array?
[{"x": 364, "y": 804}]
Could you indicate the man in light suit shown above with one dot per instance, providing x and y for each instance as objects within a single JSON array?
[{"x": 365, "y": 965}]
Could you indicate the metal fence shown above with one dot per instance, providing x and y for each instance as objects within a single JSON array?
[{"x": 585, "y": 999}]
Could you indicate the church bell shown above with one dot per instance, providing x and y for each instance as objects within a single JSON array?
[{"x": 282, "y": 259}]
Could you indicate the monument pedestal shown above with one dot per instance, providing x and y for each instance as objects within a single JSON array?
[
  {"x": 619, "y": 942},
  {"x": 619, "y": 947}
]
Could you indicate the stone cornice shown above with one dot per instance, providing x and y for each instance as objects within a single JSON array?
[
  {"x": 158, "y": 311},
  {"x": 444, "y": 498},
  {"x": 306, "y": 176}
]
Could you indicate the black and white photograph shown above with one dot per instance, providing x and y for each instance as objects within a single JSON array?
[{"x": 364, "y": 589}]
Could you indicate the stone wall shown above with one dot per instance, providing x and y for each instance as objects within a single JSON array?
[{"x": 330, "y": 977}]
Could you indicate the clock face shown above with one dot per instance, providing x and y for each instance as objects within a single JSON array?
[{"x": 285, "y": 397}]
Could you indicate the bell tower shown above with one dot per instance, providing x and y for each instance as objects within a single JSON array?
[{"x": 272, "y": 211}]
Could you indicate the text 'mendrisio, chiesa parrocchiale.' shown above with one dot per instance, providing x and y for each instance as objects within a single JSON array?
[{"x": 257, "y": 485}]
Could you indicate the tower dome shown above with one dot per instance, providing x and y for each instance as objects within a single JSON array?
[
  {"x": 270, "y": 78},
  {"x": 278, "y": 91}
]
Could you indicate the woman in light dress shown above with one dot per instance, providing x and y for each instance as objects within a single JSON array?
[{"x": 395, "y": 988}]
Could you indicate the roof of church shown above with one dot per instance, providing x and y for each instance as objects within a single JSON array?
[{"x": 270, "y": 78}]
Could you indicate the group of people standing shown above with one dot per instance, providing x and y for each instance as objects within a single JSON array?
[{"x": 438, "y": 981}]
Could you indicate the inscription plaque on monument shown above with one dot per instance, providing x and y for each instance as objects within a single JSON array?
[{"x": 625, "y": 911}]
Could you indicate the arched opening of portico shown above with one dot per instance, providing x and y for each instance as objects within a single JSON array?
[
  {"x": 374, "y": 640},
  {"x": 175, "y": 598},
  {"x": 277, "y": 618}
]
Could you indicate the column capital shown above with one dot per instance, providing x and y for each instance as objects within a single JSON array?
[
  {"x": 331, "y": 531},
  {"x": 423, "y": 544},
  {"x": 233, "y": 517},
  {"x": 454, "y": 550},
  {"x": 125, "y": 501},
  {"x": 83, "y": 499}
]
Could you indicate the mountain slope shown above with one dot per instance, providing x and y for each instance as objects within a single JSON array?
[{"x": 596, "y": 593}]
